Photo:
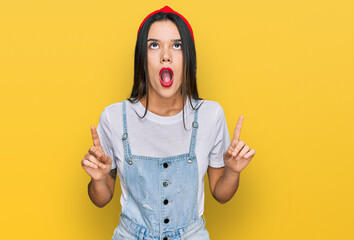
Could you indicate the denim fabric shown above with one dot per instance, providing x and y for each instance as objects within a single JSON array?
[
  {"x": 128, "y": 230},
  {"x": 162, "y": 195}
]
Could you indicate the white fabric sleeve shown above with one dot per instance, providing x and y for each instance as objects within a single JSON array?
[
  {"x": 105, "y": 135},
  {"x": 221, "y": 140}
]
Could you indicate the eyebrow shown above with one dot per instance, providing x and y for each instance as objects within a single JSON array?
[{"x": 157, "y": 40}]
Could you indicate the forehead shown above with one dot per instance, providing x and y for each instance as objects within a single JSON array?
[{"x": 164, "y": 30}]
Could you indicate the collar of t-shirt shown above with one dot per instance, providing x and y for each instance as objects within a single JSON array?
[{"x": 158, "y": 118}]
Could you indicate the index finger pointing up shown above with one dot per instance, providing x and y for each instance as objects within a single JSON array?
[
  {"x": 238, "y": 129},
  {"x": 95, "y": 138}
]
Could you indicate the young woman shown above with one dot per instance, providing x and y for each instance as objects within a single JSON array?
[{"x": 163, "y": 140}]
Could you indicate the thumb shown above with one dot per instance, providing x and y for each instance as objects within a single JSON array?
[
  {"x": 228, "y": 152},
  {"x": 104, "y": 157}
]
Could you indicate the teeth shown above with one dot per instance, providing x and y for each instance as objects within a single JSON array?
[{"x": 167, "y": 72}]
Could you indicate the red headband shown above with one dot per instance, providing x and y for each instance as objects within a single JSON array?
[{"x": 167, "y": 9}]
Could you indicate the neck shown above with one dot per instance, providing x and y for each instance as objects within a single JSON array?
[{"x": 164, "y": 106}]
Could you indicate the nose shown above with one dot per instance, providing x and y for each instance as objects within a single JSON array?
[{"x": 166, "y": 56}]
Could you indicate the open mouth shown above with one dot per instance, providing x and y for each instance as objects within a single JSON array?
[{"x": 166, "y": 76}]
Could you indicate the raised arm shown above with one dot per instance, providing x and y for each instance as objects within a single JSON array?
[
  {"x": 224, "y": 181},
  {"x": 98, "y": 165}
]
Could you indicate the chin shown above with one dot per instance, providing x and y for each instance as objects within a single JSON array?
[{"x": 164, "y": 92}]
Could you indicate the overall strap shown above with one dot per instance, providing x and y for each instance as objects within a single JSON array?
[
  {"x": 194, "y": 135},
  {"x": 127, "y": 152}
]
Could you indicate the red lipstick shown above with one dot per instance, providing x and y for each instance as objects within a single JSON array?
[{"x": 166, "y": 83}]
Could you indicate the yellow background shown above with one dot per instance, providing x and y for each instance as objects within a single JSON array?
[{"x": 286, "y": 66}]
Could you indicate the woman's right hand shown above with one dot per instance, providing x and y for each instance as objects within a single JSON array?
[{"x": 96, "y": 163}]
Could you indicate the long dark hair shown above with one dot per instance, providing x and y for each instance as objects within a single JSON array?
[{"x": 189, "y": 83}]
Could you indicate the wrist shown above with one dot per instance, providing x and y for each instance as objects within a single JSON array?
[
  {"x": 99, "y": 180},
  {"x": 229, "y": 170}
]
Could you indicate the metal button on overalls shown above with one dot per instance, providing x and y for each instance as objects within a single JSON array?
[{"x": 147, "y": 213}]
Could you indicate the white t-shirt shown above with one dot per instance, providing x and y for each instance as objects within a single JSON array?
[{"x": 165, "y": 136}]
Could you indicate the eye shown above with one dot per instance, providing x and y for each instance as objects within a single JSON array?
[
  {"x": 179, "y": 45},
  {"x": 152, "y": 45}
]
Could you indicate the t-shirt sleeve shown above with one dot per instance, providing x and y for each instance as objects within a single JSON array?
[
  {"x": 221, "y": 140},
  {"x": 105, "y": 135}
]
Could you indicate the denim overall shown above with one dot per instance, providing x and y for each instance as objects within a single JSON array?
[{"x": 162, "y": 195}]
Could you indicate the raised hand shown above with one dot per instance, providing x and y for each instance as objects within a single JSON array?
[
  {"x": 96, "y": 163},
  {"x": 238, "y": 155}
]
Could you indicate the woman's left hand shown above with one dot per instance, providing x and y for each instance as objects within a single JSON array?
[{"x": 238, "y": 155}]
